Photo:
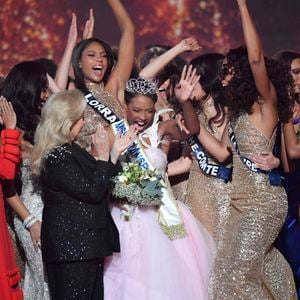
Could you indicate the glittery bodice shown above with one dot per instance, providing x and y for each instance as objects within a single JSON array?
[
  {"x": 35, "y": 285},
  {"x": 30, "y": 195},
  {"x": 251, "y": 141},
  {"x": 247, "y": 265},
  {"x": 92, "y": 119},
  {"x": 211, "y": 207}
]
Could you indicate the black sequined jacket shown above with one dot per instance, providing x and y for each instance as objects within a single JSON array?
[{"x": 77, "y": 224}]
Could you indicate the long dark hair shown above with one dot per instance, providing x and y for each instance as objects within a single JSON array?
[
  {"x": 241, "y": 92},
  {"x": 209, "y": 66},
  {"x": 77, "y": 53},
  {"x": 286, "y": 57},
  {"x": 23, "y": 87}
]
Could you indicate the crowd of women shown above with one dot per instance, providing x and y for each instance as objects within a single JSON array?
[{"x": 222, "y": 134}]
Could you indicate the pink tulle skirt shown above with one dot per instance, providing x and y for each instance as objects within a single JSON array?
[{"x": 150, "y": 266}]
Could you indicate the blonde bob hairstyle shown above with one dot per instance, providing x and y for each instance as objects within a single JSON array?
[{"x": 60, "y": 112}]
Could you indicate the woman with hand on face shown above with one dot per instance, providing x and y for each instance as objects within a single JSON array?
[
  {"x": 77, "y": 230},
  {"x": 26, "y": 86},
  {"x": 247, "y": 265},
  {"x": 165, "y": 252},
  {"x": 9, "y": 159},
  {"x": 211, "y": 208}
]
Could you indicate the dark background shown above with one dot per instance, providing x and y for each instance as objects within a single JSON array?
[{"x": 38, "y": 28}]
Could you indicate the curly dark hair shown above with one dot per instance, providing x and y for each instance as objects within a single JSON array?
[{"x": 241, "y": 92}]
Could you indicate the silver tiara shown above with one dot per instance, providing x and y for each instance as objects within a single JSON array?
[{"x": 141, "y": 86}]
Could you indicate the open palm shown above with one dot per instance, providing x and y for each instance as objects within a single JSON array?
[{"x": 187, "y": 83}]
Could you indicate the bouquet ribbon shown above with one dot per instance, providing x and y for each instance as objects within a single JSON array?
[{"x": 169, "y": 217}]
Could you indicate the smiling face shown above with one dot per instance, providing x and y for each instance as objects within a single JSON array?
[
  {"x": 295, "y": 71},
  {"x": 93, "y": 63},
  {"x": 140, "y": 112}
]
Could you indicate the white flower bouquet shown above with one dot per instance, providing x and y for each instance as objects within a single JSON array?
[{"x": 137, "y": 185}]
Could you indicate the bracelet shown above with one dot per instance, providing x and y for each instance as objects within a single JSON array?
[{"x": 29, "y": 221}]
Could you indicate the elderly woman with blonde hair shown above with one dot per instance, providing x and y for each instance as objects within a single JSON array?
[{"x": 77, "y": 229}]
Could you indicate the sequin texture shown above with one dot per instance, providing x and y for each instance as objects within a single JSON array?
[
  {"x": 92, "y": 118},
  {"x": 35, "y": 286},
  {"x": 248, "y": 266},
  {"x": 208, "y": 196}
]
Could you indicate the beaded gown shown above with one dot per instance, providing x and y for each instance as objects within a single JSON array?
[
  {"x": 248, "y": 266},
  {"x": 92, "y": 118},
  {"x": 35, "y": 286},
  {"x": 150, "y": 264},
  {"x": 211, "y": 208}
]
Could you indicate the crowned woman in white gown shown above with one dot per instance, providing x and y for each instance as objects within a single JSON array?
[{"x": 165, "y": 252}]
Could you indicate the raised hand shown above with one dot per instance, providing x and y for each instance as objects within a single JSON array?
[
  {"x": 187, "y": 83},
  {"x": 100, "y": 144},
  {"x": 61, "y": 77},
  {"x": 72, "y": 36},
  {"x": 190, "y": 44},
  {"x": 121, "y": 143},
  {"x": 89, "y": 26},
  {"x": 8, "y": 116}
]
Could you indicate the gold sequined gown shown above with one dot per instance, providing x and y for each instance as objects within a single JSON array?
[
  {"x": 208, "y": 196},
  {"x": 92, "y": 119},
  {"x": 248, "y": 266}
]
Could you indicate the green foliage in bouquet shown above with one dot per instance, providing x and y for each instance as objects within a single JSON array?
[{"x": 137, "y": 185}]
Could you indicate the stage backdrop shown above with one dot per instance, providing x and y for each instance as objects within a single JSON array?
[{"x": 38, "y": 28}]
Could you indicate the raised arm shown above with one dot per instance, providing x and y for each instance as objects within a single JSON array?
[
  {"x": 183, "y": 92},
  {"x": 123, "y": 68},
  {"x": 152, "y": 69},
  {"x": 63, "y": 69},
  {"x": 257, "y": 60}
]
